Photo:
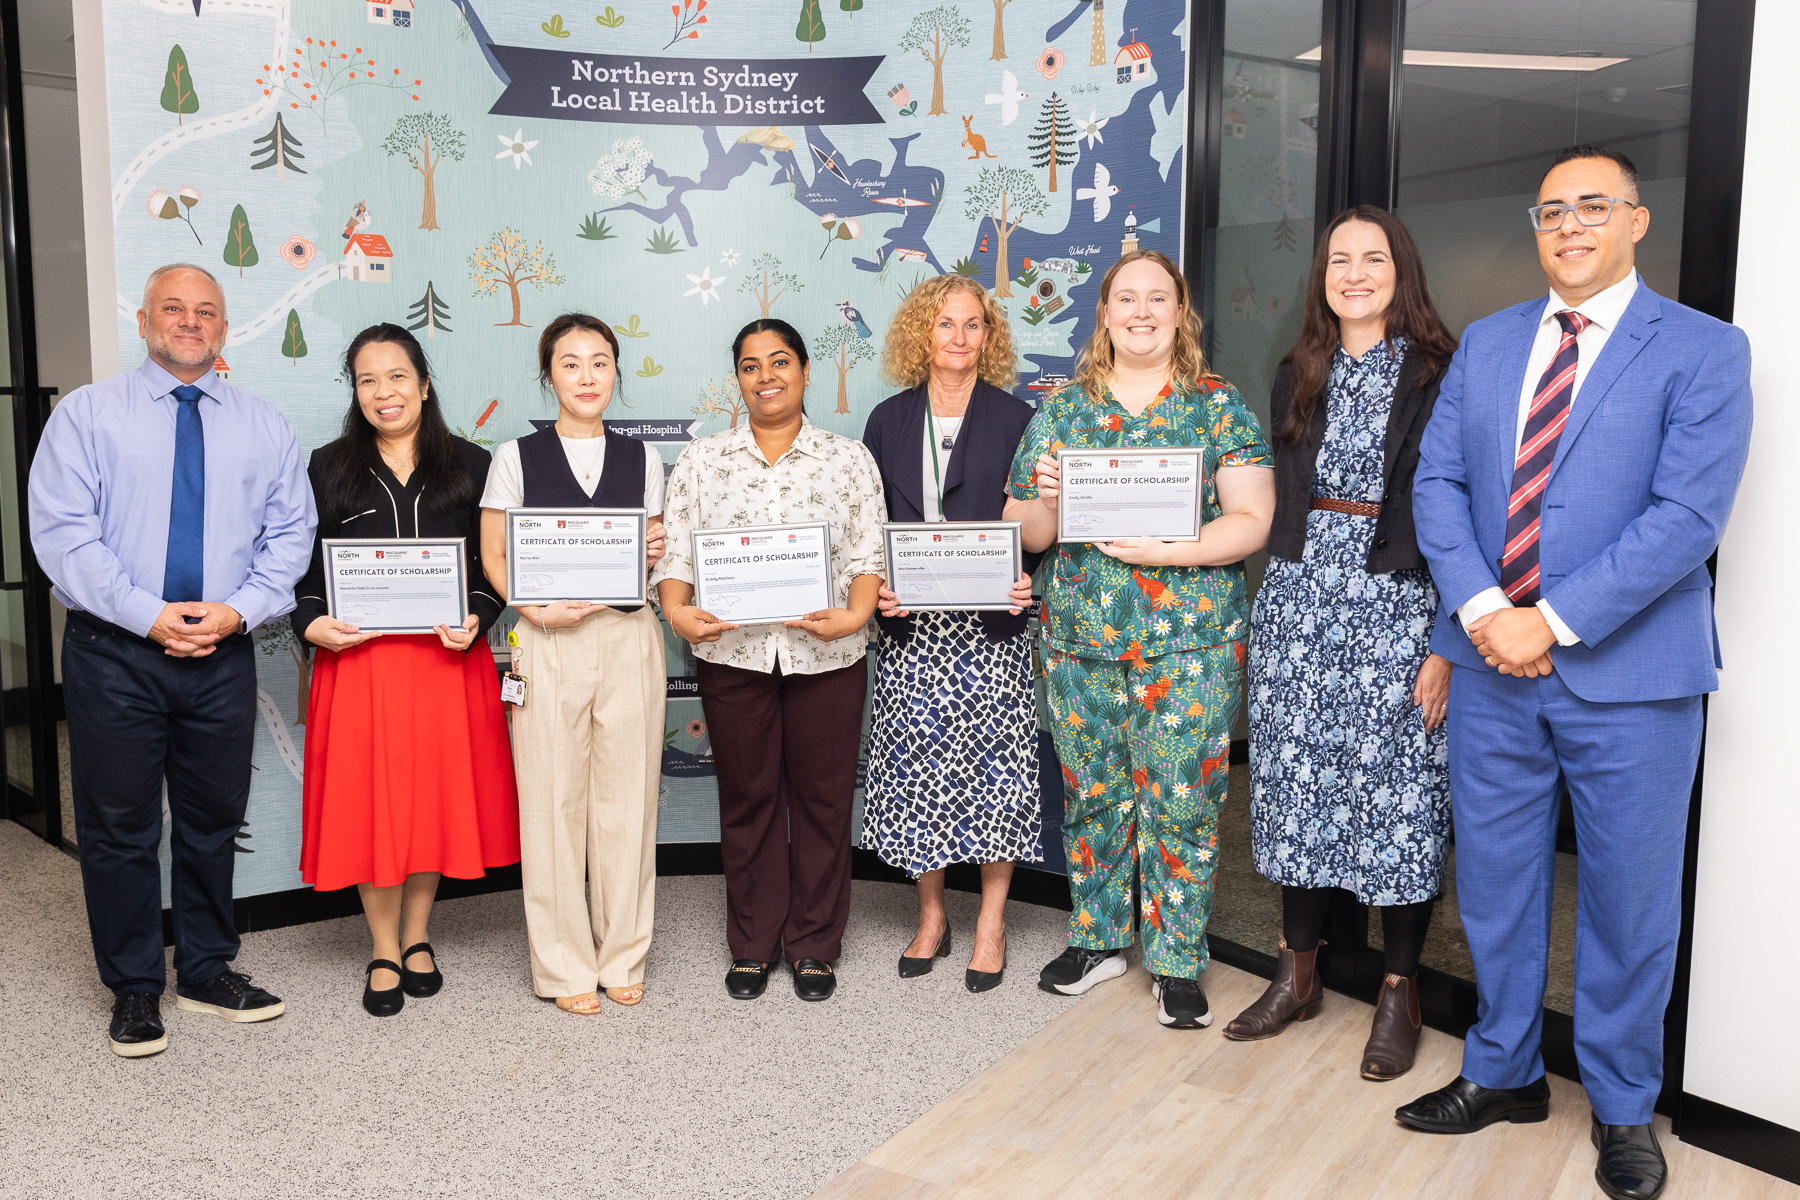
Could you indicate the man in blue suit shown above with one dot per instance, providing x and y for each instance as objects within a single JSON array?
[{"x": 1575, "y": 477}]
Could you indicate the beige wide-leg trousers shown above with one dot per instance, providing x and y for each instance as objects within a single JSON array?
[{"x": 588, "y": 749}]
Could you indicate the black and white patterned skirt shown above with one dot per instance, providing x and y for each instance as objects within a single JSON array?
[{"x": 953, "y": 768}]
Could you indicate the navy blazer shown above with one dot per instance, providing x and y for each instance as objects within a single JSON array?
[{"x": 974, "y": 478}]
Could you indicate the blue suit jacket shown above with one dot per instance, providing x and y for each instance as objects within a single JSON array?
[{"x": 1640, "y": 488}]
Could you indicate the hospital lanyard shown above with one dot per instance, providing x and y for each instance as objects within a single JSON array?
[{"x": 936, "y": 474}]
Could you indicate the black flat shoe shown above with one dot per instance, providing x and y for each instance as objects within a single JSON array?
[
  {"x": 912, "y": 968},
  {"x": 986, "y": 981},
  {"x": 1464, "y": 1107},
  {"x": 383, "y": 1003},
  {"x": 814, "y": 979},
  {"x": 1631, "y": 1165},
  {"x": 420, "y": 983},
  {"x": 137, "y": 1029},
  {"x": 747, "y": 979}
]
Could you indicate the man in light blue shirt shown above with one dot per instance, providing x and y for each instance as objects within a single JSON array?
[{"x": 172, "y": 513}]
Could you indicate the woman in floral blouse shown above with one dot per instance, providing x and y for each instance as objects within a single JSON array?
[
  {"x": 783, "y": 703},
  {"x": 1144, "y": 639}
]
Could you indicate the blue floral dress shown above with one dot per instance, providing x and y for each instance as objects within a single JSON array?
[{"x": 1347, "y": 789}]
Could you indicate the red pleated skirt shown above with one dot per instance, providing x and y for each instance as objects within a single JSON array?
[{"x": 408, "y": 765}]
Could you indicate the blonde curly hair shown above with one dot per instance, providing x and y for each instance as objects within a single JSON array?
[
  {"x": 1187, "y": 364},
  {"x": 907, "y": 352}
]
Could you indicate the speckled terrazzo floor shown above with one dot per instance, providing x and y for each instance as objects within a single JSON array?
[{"x": 484, "y": 1090}]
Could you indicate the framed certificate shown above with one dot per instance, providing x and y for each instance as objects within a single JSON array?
[
  {"x": 397, "y": 585},
  {"x": 1110, "y": 493},
  {"x": 589, "y": 554},
  {"x": 760, "y": 574},
  {"x": 967, "y": 565}
]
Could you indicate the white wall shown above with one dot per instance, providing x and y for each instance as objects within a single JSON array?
[
  {"x": 1742, "y": 1049},
  {"x": 58, "y": 237}
]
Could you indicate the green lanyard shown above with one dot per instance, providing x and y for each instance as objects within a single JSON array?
[{"x": 936, "y": 474}]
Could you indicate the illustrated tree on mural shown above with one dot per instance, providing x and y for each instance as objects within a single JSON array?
[
  {"x": 240, "y": 243},
  {"x": 841, "y": 345},
  {"x": 1285, "y": 238},
  {"x": 1005, "y": 196},
  {"x": 178, "y": 85},
  {"x": 768, "y": 282},
  {"x": 279, "y": 149},
  {"x": 999, "y": 31},
  {"x": 272, "y": 639},
  {"x": 1053, "y": 140},
  {"x": 505, "y": 259},
  {"x": 430, "y": 313},
  {"x": 320, "y": 69},
  {"x": 851, "y": 6},
  {"x": 932, "y": 33},
  {"x": 293, "y": 341},
  {"x": 424, "y": 140},
  {"x": 812, "y": 24},
  {"x": 721, "y": 398}
]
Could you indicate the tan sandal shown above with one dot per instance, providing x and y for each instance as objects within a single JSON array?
[
  {"x": 628, "y": 995},
  {"x": 585, "y": 1005}
]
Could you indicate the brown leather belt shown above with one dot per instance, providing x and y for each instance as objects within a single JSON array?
[{"x": 1356, "y": 508}]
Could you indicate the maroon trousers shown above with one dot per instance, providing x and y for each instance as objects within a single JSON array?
[{"x": 786, "y": 748}]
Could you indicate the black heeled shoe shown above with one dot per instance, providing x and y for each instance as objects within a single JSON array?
[
  {"x": 986, "y": 981},
  {"x": 387, "y": 1002},
  {"x": 912, "y": 968},
  {"x": 421, "y": 983}
]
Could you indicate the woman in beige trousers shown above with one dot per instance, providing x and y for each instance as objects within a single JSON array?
[{"x": 587, "y": 743}]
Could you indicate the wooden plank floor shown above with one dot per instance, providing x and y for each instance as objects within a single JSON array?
[{"x": 1103, "y": 1101}]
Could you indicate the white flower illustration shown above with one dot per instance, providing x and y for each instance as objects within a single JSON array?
[
  {"x": 516, "y": 146},
  {"x": 705, "y": 286},
  {"x": 1090, "y": 129},
  {"x": 729, "y": 258},
  {"x": 622, "y": 172}
]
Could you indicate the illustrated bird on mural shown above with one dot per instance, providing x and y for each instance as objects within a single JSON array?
[
  {"x": 1009, "y": 97},
  {"x": 852, "y": 317},
  {"x": 359, "y": 221},
  {"x": 1101, "y": 193}
]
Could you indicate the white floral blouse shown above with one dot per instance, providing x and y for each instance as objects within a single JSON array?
[{"x": 723, "y": 480}]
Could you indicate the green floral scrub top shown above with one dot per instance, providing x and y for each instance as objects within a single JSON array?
[{"x": 1099, "y": 607}]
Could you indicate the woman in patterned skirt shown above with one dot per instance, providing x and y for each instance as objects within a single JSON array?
[
  {"x": 1349, "y": 770},
  {"x": 953, "y": 773}
]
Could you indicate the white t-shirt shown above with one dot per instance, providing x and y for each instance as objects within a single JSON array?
[
  {"x": 587, "y": 456},
  {"x": 947, "y": 427}
]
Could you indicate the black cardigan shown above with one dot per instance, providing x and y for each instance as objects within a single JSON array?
[
  {"x": 391, "y": 515},
  {"x": 1394, "y": 544},
  {"x": 974, "y": 478}
]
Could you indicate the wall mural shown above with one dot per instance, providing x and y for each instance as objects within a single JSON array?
[{"x": 469, "y": 169}]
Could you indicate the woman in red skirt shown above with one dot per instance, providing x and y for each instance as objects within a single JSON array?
[{"x": 408, "y": 768}]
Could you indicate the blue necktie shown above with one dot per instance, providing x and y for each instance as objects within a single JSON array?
[{"x": 184, "y": 572}]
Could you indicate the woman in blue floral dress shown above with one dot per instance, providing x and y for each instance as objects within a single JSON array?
[{"x": 1348, "y": 763}]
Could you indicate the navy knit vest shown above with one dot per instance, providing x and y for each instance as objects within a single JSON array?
[{"x": 550, "y": 483}]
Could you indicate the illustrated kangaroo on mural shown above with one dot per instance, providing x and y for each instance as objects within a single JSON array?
[{"x": 974, "y": 141}]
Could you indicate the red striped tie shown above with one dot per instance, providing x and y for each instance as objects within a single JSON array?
[{"x": 1531, "y": 468}]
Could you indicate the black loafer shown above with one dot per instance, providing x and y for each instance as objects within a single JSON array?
[
  {"x": 1631, "y": 1164},
  {"x": 747, "y": 979},
  {"x": 1464, "y": 1107},
  {"x": 420, "y": 983},
  {"x": 912, "y": 968},
  {"x": 231, "y": 995},
  {"x": 388, "y": 1001},
  {"x": 814, "y": 979},
  {"x": 137, "y": 1029}
]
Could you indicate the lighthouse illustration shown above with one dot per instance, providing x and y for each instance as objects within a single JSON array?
[{"x": 1131, "y": 239}]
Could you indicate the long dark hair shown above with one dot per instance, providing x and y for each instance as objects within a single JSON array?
[
  {"x": 1410, "y": 314},
  {"x": 354, "y": 458}
]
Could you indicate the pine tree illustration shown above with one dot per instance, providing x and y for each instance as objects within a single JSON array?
[
  {"x": 430, "y": 313},
  {"x": 1053, "y": 140},
  {"x": 279, "y": 149},
  {"x": 1285, "y": 238}
]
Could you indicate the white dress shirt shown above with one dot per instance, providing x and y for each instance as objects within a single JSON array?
[
  {"x": 947, "y": 427},
  {"x": 1603, "y": 311}
]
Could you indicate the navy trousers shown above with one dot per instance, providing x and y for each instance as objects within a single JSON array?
[
  {"x": 1630, "y": 771},
  {"x": 138, "y": 716}
]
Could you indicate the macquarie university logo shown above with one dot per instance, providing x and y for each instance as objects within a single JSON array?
[
  {"x": 562, "y": 524},
  {"x": 381, "y": 554},
  {"x": 744, "y": 540},
  {"x": 1112, "y": 462}
]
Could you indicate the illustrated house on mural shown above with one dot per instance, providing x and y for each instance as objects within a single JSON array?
[
  {"x": 369, "y": 259},
  {"x": 1235, "y": 125},
  {"x": 398, "y": 13},
  {"x": 1243, "y": 298},
  {"x": 1132, "y": 61},
  {"x": 221, "y": 368}
]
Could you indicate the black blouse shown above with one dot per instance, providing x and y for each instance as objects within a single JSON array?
[{"x": 397, "y": 511}]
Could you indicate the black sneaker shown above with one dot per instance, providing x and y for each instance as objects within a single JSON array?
[
  {"x": 1182, "y": 1005},
  {"x": 231, "y": 995},
  {"x": 1077, "y": 969},
  {"x": 137, "y": 1028}
]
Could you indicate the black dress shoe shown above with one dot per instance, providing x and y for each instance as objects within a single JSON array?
[
  {"x": 137, "y": 1028},
  {"x": 986, "y": 981},
  {"x": 231, "y": 995},
  {"x": 1631, "y": 1163},
  {"x": 747, "y": 979},
  {"x": 814, "y": 979},
  {"x": 388, "y": 1001},
  {"x": 420, "y": 983},
  {"x": 912, "y": 968},
  {"x": 1464, "y": 1107}
]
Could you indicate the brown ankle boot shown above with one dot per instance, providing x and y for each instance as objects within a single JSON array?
[
  {"x": 1395, "y": 1035},
  {"x": 1295, "y": 994}
]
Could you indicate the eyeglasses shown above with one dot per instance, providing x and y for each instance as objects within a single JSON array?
[{"x": 1595, "y": 210}]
